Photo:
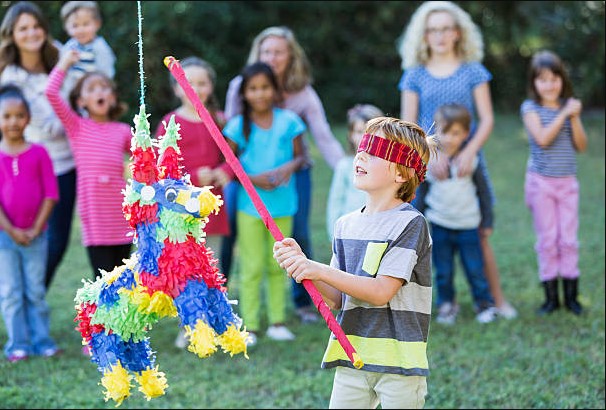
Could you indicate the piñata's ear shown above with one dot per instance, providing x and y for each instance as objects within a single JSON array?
[
  {"x": 169, "y": 161},
  {"x": 143, "y": 159}
]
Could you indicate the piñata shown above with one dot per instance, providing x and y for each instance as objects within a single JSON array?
[{"x": 171, "y": 273}]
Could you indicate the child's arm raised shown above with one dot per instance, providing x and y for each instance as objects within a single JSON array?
[{"x": 67, "y": 116}]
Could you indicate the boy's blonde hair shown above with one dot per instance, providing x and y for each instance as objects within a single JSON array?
[
  {"x": 71, "y": 7},
  {"x": 298, "y": 72},
  {"x": 411, "y": 135},
  {"x": 413, "y": 48}
]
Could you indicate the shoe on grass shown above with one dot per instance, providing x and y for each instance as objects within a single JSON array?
[
  {"x": 507, "y": 311},
  {"x": 17, "y": 356},
  {"x": 490, "y": 314},
  {"x": 447, "y": 313},
  {"x": 279, "y": 332}
]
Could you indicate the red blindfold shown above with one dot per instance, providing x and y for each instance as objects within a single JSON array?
[{"x": 393, "y": 151}]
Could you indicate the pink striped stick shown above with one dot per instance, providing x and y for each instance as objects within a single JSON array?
[{"x": 176, "y": 70}]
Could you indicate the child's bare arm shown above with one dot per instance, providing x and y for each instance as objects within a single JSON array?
[{"x": 375, "y": 290}]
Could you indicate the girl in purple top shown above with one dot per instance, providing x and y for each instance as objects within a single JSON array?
[
  {"x": 278, "y": 47},
  {"x": 441, "y": 51},
  {"x": 28, "y": 192}
]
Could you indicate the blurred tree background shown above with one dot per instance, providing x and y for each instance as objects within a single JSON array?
[{"x": 351, "y": 44}]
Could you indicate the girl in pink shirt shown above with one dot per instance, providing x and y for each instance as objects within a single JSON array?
[
  {"x": 28, "y": 192},
  {"x": 100, "y": 145}
]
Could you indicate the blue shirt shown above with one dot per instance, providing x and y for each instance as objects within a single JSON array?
[
  {"x": 559, "y": 158},
  {"x": 267, "y": 149},
  {"x": 436, "y": 91}
]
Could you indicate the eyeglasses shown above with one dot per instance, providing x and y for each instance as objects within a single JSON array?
[{"x": 443, "y": 30}]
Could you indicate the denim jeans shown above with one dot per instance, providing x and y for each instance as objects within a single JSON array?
[
  {"x": 230, "y": 196},
  {"x": 60, "y": 224},
  {"x": 300, "y": 232},
  {"x": 22, "y": 295},
  {"x": 446, "y": 242}
]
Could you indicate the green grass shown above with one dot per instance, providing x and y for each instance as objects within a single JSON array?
[{"x": 530, "y": 362}]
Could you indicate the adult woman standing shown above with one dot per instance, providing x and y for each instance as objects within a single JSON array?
[
  {"x": 27, "y": 55},
  {"x": 278, "y": 47},
  {"x": 442, "y": 50}
]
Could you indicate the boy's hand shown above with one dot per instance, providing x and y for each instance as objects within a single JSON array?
[
  {"x": 68, "y": 59},
  {"x": 285, "y": 249},
  {"x": 290, "y": 257}
]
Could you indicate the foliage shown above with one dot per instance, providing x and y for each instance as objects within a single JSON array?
[
  {"x": 529, "y": 362},
  {"x": 351, "y": 44}
]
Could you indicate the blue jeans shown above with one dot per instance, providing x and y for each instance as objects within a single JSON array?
[
  {"x": 300, "y": 229},
  {"x": 446, "y": 242},
  {"x": 300, "y": 232},
  {"x": 60, "y": 224},
  {"x": 22, "y": 295},
  {"x": 230, "y": 196}
]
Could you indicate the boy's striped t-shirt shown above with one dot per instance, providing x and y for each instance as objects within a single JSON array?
[{"x": 391, "y": 338}]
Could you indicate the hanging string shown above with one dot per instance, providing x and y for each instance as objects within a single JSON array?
[{"x": 140, "y": 23}]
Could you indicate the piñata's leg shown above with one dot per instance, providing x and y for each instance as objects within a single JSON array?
[{"x": 116, "y": 359}]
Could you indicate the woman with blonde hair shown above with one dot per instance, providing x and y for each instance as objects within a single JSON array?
[
  {"x": 441, "y": 50},
  {"x": 278, "y": 47}
]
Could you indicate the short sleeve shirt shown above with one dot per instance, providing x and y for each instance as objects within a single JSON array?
[
  {"x": 267, "y": 149},
  {"x": 436, "y": 91}
]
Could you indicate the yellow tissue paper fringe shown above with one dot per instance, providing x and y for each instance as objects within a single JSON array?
[
  {"x": 201, "y": 339},
  {"x": 233, "y": 340},
  {"x": 159, "y": 303},
  {"x": 117, "y": 383},
  {"x": 153, "y": 383}
]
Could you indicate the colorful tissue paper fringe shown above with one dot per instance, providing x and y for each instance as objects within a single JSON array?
[{"x": 170, "y": 274}]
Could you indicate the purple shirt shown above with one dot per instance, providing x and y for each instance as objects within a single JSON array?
[
  {"x": 307, "y": 105},
  {"x": 26, "y": 180}
]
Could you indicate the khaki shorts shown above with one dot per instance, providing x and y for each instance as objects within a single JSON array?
[{"x": 359, "y": 389}]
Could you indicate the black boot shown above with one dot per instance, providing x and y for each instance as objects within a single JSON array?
[
  {"x": 551, "y": 297},
  {"x": 570, "y": 296}
]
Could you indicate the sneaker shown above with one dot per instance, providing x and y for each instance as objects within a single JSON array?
[
  {"x": 251, "y": 340},
  {"x": 279, "y": 332},
  {"x": 447, "y": 313},
  {"x": 507, "y": 311},
  {"x": 181, "y": 341},
  {"x": 17, "y": 356},
  {"x": 487, "y": 315},
  {"x": 51, "y": 352},
  {"x": 307, "y": 315}
]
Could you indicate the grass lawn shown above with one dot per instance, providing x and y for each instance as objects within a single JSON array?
[{"x": 529, "y": 362}]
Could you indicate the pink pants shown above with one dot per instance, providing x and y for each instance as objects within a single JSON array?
[{"x": 554, "y": 204}]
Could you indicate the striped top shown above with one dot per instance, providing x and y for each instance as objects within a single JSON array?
[
  {"x": 559, "y": 158},
  {"x": 391, "y": 338},
  {"x": 99, "y": 150}
]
